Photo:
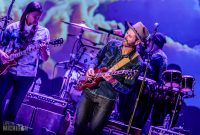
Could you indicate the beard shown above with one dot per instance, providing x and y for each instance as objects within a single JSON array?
[{"x": 128, "y": 44}]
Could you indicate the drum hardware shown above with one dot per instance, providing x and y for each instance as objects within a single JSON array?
[
  {"x": 82, "y": 26},
  {"x": 175, "y": 108},
  {"x": 93, "y": 44},
  {"x": 73, "y": 66}
]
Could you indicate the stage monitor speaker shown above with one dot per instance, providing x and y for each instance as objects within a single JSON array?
[
  {"x": 47, "y": 122},
  {"x": 119, "y": 128},
  {"x": 42, "y": 121},
  {"x": 25, "y": 115},
  {"x": 44, "y": 114}
]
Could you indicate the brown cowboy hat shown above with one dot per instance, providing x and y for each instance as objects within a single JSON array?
[{"x": 140, "y": 30}]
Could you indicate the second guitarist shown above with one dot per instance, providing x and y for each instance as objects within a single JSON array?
[
  {"x": 19, "y": 36},
  {"x": 97, "y": 103}
]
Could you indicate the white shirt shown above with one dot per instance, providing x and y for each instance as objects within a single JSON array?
[{"x": 27, "y": 65}]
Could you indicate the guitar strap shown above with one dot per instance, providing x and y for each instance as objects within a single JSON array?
[{"x": 123, "y": 62}]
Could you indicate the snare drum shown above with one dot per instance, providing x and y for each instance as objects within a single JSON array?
[
  {"x": 172, "y": 78},
  {"x": 187, "y": 83},
  {"x": 70, "y": 81}
]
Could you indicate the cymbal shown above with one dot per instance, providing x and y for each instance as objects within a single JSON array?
[{"x": 82, "y": 26}]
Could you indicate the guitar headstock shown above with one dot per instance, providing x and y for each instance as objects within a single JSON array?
[{"x": 58, "y": 41}]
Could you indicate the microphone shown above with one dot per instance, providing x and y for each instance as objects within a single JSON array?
[
  {"x": 145, "y": 44},
  {"x": 105, "y": 30},
  {"x": 63, "y": 62},
  {"x": 156, "y": 24}
]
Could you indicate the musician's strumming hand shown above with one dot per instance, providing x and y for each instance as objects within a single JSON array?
[
  {"x": 90, "y": 74},
  {"x": 43, "y": 51},
  {"x": 4, "y": 57}
]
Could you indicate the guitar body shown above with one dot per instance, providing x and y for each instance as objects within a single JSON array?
[
  {"x": 5, "y": 67},
  {"x": 83, "y": 84},
  {"x": 20, "y": 52}
]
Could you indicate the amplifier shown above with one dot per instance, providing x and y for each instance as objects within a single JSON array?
[
  {"x": 161, "y": 131},
  {"x": 46, "y": 102},
  {"x": 44, "y": 114},
  {"x": 119, "y": 128},
  {"x": 42, "y": 121}
]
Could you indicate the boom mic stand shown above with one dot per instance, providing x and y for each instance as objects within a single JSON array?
[{"x": 65, "y": 90}]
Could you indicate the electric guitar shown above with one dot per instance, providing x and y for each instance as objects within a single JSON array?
[
  {"x": 83, "y": 84},
  {"x": 15, "y": 55}
]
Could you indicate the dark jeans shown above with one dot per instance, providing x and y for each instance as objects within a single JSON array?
[
  {"x": 127, "y": 103},
  {"x": 92, "y": 114},
  {"x": 20, "y": 87}
]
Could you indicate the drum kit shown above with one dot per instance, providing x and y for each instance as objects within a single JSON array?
[
  {"x": 175, "y": 88},
  {"x": 78, "y": 63}
]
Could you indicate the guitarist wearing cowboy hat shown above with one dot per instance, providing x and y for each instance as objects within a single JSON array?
[
  {"x": 97, "y": 102},
  {"x": 20, "y": 36}
]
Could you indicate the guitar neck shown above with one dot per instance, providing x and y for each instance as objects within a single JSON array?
[
  {"x": 24, "y": 52},
  {"x": 119, "y": 72}
]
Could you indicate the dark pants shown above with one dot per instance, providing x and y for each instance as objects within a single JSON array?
[
  {"x": 20, "y": 86},
  {"x": 92, "y": 114},
  {"x": 127, "y": 104}
]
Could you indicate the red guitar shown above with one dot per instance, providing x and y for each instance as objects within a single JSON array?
[
  {"x": 15, "y": 55},
  {"x": 83, "y": 84}
]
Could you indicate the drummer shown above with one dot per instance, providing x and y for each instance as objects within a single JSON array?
[
  {"x": 158, "y": 59},
  {"x": 156, "y": 66}
]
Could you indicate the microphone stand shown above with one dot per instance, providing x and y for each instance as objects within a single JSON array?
[
  {"x": 144, "y": 78},
  {"x": 6, "y": 20},
  {"x": 139, "y": 94}
]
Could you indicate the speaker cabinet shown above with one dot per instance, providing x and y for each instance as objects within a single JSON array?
[
  {"x": 25, "y": 115},
  {"x": 47, "y": 121},
  {"x": 44, "y": 114}
]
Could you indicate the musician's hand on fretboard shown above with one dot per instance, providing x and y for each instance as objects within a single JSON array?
[
  {"x": 4, "y": 57},
  {"x": 90, "y": 74}
]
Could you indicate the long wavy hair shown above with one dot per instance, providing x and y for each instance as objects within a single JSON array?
[{"x": 31, "y": 7}]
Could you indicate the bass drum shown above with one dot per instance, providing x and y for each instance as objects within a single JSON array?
[{"x": 71, "y": 78}]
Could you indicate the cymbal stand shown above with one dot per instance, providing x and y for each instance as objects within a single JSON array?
[
  {"x": 73, "y": 60},
  {"x": 175, "y": 109}
]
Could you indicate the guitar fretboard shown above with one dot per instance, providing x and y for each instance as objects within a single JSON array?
[
  {"x": 24, "y": 52},
  {"x": 31, "y": 49},
  {"x": 119, "y": 72}
]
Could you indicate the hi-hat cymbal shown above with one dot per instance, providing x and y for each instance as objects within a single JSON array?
[{"x": 82, "y": 26}]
